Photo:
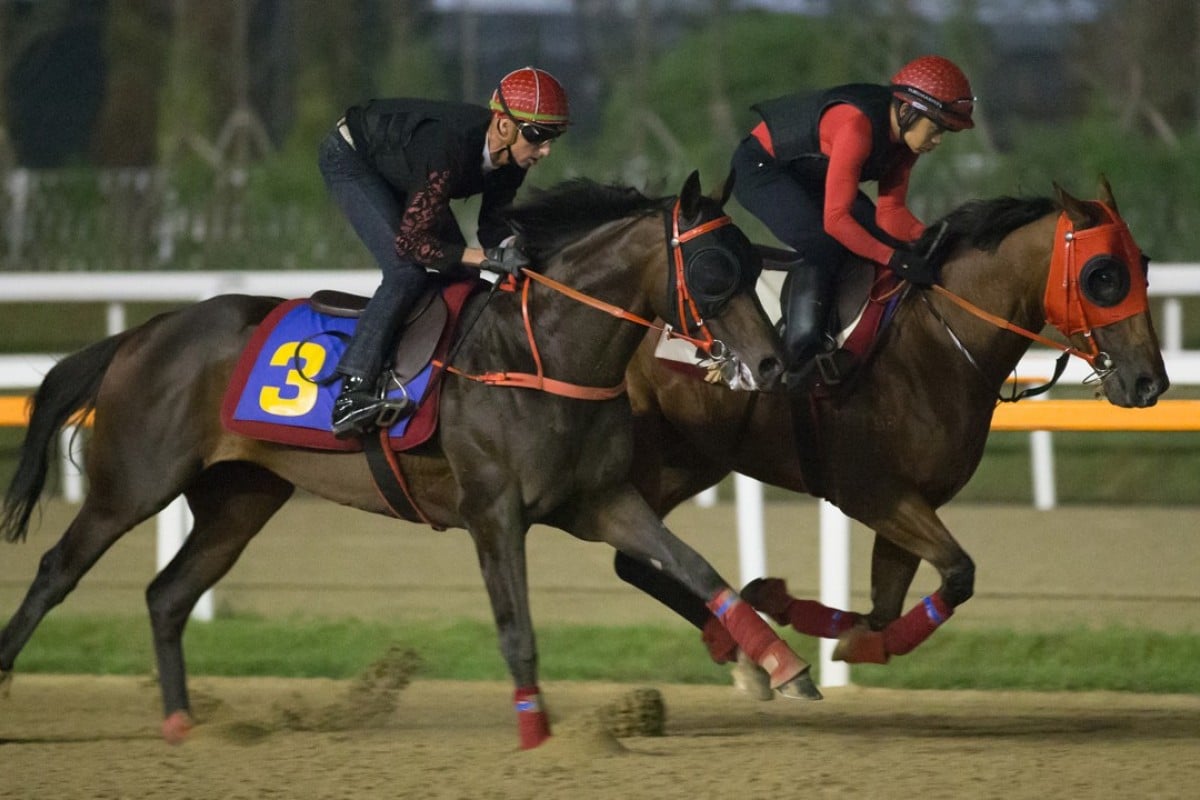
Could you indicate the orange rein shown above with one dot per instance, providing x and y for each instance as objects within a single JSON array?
[
  {"x": 539, "y": 381},
  {"x": 1004, "y": 324},
  {"x": 1062, "y": 257}
]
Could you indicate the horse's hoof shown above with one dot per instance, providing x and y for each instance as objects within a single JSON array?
[
  {"x": 533, "y": 729},
  {"x": 770, "y": 596},
  {"x": 751, "y": 679},
  {"x": 176, "y": 727},
  {"x": 801, "y": 687},
  {"x": 860, "y": 645},
  {"x": 5, "y": 682}
]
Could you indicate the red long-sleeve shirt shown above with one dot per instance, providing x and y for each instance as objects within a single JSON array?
[{"x": 845, "y": 134}]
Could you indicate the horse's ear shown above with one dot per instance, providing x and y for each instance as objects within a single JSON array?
[
  {"x": 689, "y": 197},
  {"x": 1106, "y": 195},
  {"x": 1075, "y": 208}
]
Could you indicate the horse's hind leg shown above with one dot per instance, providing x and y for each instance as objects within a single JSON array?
[
  {"x": 230, "y": 503},
  {"x": 94, "y": 529}
]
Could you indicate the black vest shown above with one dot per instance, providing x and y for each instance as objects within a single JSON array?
[{"x": 793, "y": 121}]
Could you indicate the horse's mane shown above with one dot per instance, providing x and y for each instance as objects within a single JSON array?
[
  {"x": 983, "y": 224},
  {"x": 551, "y": 218}
]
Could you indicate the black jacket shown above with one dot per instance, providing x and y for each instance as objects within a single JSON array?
[{"x": 410, "y": 141}]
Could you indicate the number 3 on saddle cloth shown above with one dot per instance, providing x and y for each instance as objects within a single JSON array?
[{"x": 280, "y": 390}]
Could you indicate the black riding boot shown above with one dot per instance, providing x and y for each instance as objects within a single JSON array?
[
  {"x": 808, "y": 301},
  {"x": 361, "y": 406},
  {"x": 356, "y": 408}
]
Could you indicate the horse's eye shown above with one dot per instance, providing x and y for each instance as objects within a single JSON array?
[
  {"x": 713, "y": 274},
  {"x": 1104, "y": 280}
]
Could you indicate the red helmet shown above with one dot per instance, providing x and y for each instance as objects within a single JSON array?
[
  {"x": 937, "y": 88},
  {"x": 532, "y": 95}
]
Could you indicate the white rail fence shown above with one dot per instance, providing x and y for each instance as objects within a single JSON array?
[{"x": 1170, "y": 283}]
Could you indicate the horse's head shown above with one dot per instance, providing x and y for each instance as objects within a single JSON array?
[
  {"x": 712, "y": 272},
  {"x": 1096, "y": 296}
]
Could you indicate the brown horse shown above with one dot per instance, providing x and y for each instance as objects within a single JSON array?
[
  {"x": 502, "y": 460},
  {"x": 900, "y": 439}
]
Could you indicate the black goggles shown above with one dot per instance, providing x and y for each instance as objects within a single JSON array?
[{"x": 536, "y": 134}]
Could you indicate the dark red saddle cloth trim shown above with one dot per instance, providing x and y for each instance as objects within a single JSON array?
[{"x": 420, "y": 427}]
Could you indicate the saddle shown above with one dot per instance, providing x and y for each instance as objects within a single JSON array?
[
  {"x": 422, "y": 328},
  {"x": 864, "y": 301}
]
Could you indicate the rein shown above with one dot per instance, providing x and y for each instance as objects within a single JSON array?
[
  {"x": 1068, "y": 307},
  {"x": 538, "y": 380},
  {"x": 1004, "y": 324}
]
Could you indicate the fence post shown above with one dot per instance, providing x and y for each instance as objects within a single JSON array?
[
  {"x": 835, "y": 586},
  {"x": 1041, "y": 455},
  {"x": 752, "y": 551},
  {"x": 174, "y": 524},
  {"x": 70, "y": 444}
]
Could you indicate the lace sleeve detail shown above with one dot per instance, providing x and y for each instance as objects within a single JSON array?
[{"x": 428, "y": 213}]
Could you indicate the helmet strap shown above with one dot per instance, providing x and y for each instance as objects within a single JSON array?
[{"x": 906, "y": 115}]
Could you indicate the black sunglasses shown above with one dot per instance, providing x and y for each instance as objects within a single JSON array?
[
  {"x": 536, "y": 134},
  {"x": 532, "y": 133}
]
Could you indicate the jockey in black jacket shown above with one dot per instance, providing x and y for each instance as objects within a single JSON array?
[{"x": 393, "y": 166}]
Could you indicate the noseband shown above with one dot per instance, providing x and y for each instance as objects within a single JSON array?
[{"x": 1090, "y": 285}]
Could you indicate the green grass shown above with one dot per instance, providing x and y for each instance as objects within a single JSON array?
[{"x": 1070, "y": 660}]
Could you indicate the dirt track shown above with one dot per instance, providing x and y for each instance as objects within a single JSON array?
[
  {"x": 451, "y": 740},
  {"x": 89, "y": 737}
]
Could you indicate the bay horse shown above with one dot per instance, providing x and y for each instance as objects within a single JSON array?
[
  {"x": 906, "y": 433},
  {"x": 503, "y": 458}
]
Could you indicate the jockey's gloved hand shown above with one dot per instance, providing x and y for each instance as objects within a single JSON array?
[
  {"x": 505, "y": 260},
  {"x": 913, "y": 267}
]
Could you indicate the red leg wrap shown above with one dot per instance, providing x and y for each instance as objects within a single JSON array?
[
  {"x": 533, "y": 726},
  {"x": 719, "y": 641},
  {"x": 813, "y": 619},
  {"x": 860, "y": 645},
  {"x": 902, "y": 635},
  {"x": 756, "y": 638}
]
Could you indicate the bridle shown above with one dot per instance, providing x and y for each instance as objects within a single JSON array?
[
  {"x": 686, "y": 306},
  {"x": 1090, "y": 285}
]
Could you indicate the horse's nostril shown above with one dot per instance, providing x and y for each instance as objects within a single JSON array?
[{"x": 770, "y": 369}]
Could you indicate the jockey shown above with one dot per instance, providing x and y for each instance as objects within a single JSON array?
[
  {"x": 799, "y": 172},
  {"x": 393, "y": 166}
]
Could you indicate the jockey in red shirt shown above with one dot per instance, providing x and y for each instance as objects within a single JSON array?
[{"x": 800, "y": 169}]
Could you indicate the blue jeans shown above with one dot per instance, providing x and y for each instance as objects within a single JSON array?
[{"x": 374, "y": 210}]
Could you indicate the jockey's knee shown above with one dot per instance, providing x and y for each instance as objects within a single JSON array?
[{"x": 958, "y": 583}]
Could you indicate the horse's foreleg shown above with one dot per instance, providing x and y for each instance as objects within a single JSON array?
[
  {"x": 892, "y": 571},
  {"x": 230, "y": 504},
  {"x": 624, "y": 520},
  {"x": 917, "y": 531},
  {"x": 500, "y": 547}
]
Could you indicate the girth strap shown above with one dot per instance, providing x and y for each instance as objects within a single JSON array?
[{"x": 389, "y": 479}]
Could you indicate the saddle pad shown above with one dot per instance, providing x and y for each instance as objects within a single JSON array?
[{"x": 275, "y": 393}]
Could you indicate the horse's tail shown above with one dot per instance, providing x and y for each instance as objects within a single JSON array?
[{"x": 68, "y": 390}]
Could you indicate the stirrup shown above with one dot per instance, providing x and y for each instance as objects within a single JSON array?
[
  {"x": 393, "y": 410},
  {"x": 826, "y": 362}
]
